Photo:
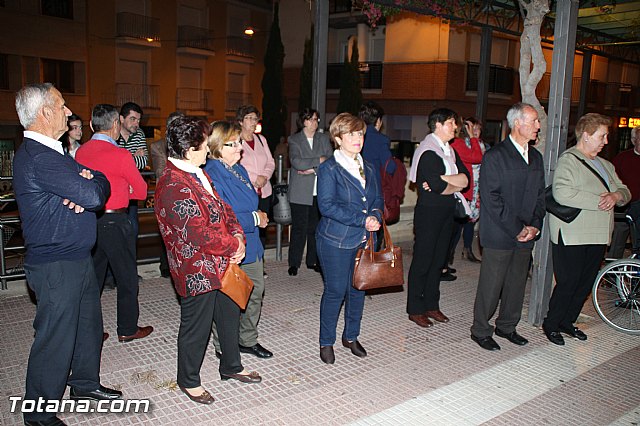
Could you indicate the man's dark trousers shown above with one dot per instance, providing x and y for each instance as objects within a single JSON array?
[
  {"x": 114, "y": 247},
  {"x": 68, "y": 330}
]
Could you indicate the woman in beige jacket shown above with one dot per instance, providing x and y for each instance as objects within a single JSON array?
[{"x": 578, "y": 247}]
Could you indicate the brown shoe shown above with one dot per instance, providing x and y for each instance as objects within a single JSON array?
[
  {"x": 421, "y": 320},
  {"x": 204, "y": 398},
  {"x": 252, "y": 377},
  {"x": 140, "y": 334},
  {"x": 437, "y": 315}
]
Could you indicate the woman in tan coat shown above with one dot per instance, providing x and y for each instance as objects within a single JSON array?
[{"x": 590, "y": 183}]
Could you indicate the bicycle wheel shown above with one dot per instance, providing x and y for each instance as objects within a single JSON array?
[{"x": 616, "y": 295}]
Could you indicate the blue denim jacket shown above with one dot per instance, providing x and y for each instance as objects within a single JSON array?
[{"x": 345, "y": 205}]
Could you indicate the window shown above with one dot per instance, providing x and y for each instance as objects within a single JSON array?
[
  {"x": 60, "y": 73},
  {"x": 58, "y": 8},
  {"x": 4, "y": 72}
]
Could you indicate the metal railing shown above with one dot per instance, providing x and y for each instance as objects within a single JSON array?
[
  {"x": 236, "y": 99},
  {"x": 145, "y": 95},
  {"x": 138, "y": 26},
  {"x": 194, "y": 99},
  {"x": 370, "y": 75},
  {"x": 195, "y": 37},
  {"x": 240, "y": 46}
]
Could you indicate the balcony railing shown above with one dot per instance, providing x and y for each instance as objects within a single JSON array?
[
  {"x": 144, "y": 95},
  {"x": 370, "y": 75},
  {"x": 236, "y": 99},
  {"x": 194, "y": 99},
  {"x": 339, "y": 6},
  {"x": 240, "y": 46},
  {"x": 608, "y": 95},
  {"x": 195, "y": 38},
  {"x": 138, "y": 26},
  {"x": 500, "y": 78}
]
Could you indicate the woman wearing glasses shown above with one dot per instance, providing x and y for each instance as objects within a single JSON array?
[
  {"x": 256, "y": 158},
  {"x": 233, "y": 184},
  {"x": 308, "y": 148},
  {"x": 350, "y": 200}
]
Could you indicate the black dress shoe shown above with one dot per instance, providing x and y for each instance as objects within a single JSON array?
[
  {"x": 450, "y": 270},
  {"x": 356, "y": 348},
  {"x": 447, "y": 277},
  {"x": 53, "y": 421},
  {"x": 315, "y": 267},
  {"x": 99, "y": 394},
  {"x": 574, "y": 332},
  {"x": 256, "y": 350},
  {"x": 326, "y": 354},
  {"x": 554, "y": 337},
  {"x": 218, "y": 354},
  {"x": 293, "y": 271},
  {"x": 486, "y": 343},
  {"x": 513, "y": 337}
]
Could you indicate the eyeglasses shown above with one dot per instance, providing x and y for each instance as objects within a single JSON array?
[
  {"x": 251, "y": 118},
  {"x": 233, "y": 144},
  {"x": 76, "y": 127}
]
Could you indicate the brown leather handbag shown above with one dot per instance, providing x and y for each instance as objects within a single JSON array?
[
  {"x": 237, "y": 285},
  {"x": 377, "y": 269}
]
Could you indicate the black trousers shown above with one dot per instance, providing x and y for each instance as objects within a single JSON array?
[
  {"x": 115, "y": 247},
  {"x": 503, "y": 278},
  {"x": 575, "y": 269},
  {"x": 433, "y": 227},
  {"x": 196, "y": 317},
  {"x": 304, "y": 220},
  {"x": 68, "y": 331}
]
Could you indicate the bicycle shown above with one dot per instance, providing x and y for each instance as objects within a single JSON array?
[{"x": 616, "y": 290}]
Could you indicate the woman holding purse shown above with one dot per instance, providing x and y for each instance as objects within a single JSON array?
[{"x": 350, "y": 201}]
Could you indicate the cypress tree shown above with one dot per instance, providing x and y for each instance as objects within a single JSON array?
[
  {"x": 273, "y": 107},
  {"x": 306, "y": 75},
  {"x": 350, "y": 94}
]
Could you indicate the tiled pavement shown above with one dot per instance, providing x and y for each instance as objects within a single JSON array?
[{"x": 412, "y": 376}]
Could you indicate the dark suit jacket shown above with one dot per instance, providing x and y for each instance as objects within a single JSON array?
[
  {"x": 302, "y": 157},
  {"x": 511, "y": 194}
]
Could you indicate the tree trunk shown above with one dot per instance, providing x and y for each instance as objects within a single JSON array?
[{"x": 532, "y": 62}]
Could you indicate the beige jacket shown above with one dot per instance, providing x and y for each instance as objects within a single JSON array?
[{"x": 576, "y": 186}]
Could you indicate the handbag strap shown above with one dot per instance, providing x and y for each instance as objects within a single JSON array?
[{"x": 598, "y": 175}]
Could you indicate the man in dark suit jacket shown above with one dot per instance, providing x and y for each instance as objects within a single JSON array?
[{"x": 511, "y": 215}]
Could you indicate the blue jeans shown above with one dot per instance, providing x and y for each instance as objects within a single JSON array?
[{"x": 337, "y": 269}]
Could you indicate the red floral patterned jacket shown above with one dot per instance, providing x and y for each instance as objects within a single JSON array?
[{"x": 198, "y": 231}]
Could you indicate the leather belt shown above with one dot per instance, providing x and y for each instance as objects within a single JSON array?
[{"x": 122, "y": 210}]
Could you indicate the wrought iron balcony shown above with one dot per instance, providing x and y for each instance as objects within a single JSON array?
[
  {"x": 143, "y": 94},
  {"x": 236, "y": 99},
  {"x": 240, "y": 46},
  {"x": 195, "y": 38},
  {"x": 190, "y": 99},
  {"x": 138, "y": 26}
]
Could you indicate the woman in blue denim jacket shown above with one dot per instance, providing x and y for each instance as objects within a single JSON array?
[{"x": 350, "y": 201}]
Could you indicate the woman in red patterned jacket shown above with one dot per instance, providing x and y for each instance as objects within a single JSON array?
[{"x": 203, "y": 237}]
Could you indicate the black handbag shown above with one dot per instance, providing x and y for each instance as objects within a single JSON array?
[
  {"x": 459, "y": 212},
  {"x": 565, "y": 213}
]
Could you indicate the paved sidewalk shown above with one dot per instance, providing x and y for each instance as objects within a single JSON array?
[{"x": 412, "y": 376}]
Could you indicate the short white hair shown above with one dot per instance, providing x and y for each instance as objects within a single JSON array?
[
  {"x": 30, "y": 99},
  {"x": 516, "y": 112},
  {"x": 634, "y": 133}
]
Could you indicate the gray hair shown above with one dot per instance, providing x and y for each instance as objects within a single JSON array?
[
  {"x": 103, "y": 116},
  {"x": 635, "y": 133},
  {"x": 30, "y": 99},
  {"x": 516, "y": 112}
]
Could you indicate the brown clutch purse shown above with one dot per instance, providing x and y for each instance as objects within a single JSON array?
[{"x": 237, "y": 285}]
